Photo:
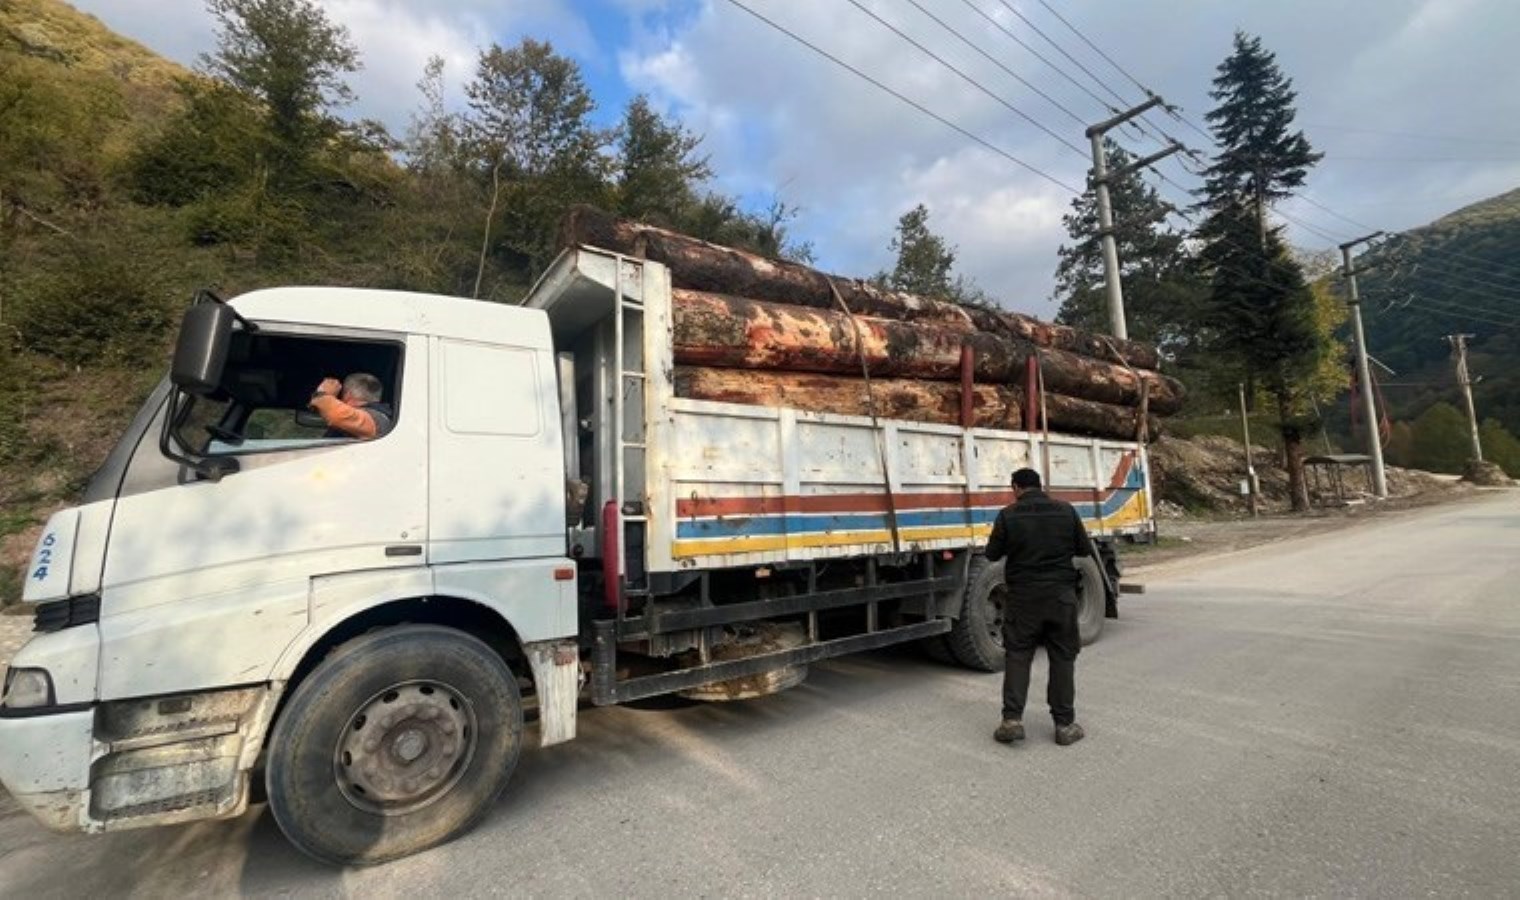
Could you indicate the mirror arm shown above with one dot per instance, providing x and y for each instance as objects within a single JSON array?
[{"x": 211, "y": 469}]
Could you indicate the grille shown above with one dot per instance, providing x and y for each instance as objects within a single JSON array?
[{"x": 61, "y": 614}]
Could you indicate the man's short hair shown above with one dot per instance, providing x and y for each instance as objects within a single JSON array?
[
  {"x": 363, "y": 386},
  {"x": 1024, "y": 479}
]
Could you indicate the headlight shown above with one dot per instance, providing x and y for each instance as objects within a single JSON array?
[{"x": 27, "y": 689}]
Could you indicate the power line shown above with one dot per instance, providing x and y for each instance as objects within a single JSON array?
[
  {"x": 1062, "y": 50},
  {"x": 1037, "y": 55},
  {"x": 1110, "y": 60},
  {"x": 908, "y": 100},
  {"x": 967, "y": 78},
  {"x": 1402, "y": 237},
  {"x": 1338, "y": 157},
  {"x": 996, "y": 62},
  {"x": 1413, "y": 135},
  {"x": 1458, "y": 311}
]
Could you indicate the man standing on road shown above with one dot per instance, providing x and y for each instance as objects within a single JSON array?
[{"x": 1039, "y": 537}]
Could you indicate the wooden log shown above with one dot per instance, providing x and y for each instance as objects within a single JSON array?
[
  {"x": 911, "y": 400},
  {"x": 704, "y": 266},
  {"x": 1073, "y": 415},
  {"x": 734, "y": 332}
]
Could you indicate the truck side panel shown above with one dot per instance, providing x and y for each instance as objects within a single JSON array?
[{"x": 754, "y": 486}]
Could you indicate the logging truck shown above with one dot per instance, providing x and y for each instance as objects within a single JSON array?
[{"x": 245, "y": 605}]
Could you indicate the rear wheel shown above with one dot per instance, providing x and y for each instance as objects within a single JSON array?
[
  {"x": 976, "y": 640},
  {"x": 938, "y": 649},
  {"x": 400, "y": 740},
  {"x": 1092, "y": 600}
]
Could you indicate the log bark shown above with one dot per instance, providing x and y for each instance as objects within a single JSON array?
[
  {"x": 913, "y": 400},
  {"x": 734, "y": 332},
  {"x": 703, "y": 266},
  {"x": 1073, "y": 415}
]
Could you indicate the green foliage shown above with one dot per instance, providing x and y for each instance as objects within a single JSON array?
[
  {"x": 288, "y": 56},
  {"x": 1456, "y": 275},
  {"x": 1440, "y": 441},
  {"x": 211, "y": 145},
  {"x": 1260, "y": 157},
  {"x": 106, "y": 308},
  {"x": 1500, "y": 446},
  {"x": 926, "y": 262},
  {"x": 1162, "y": 290},
  {"x": 657, "y": 165},
  {"x": 528, "y": 137},
  {"x": 924, "y": 259}
]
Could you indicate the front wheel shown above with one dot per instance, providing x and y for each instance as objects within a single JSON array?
[{"x": 400, "y": 740}]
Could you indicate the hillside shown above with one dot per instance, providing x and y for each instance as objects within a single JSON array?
[{"x": 1460, "y": 273}]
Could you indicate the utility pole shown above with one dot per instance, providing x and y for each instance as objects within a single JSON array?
[
  {"x": 1459, "y": 347},
  {"x": 1364, "y": 376},
  {"x": 1252, "y": 485},
  {"x": 1100, "y": 179}
]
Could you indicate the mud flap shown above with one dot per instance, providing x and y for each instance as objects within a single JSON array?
[{"x": 557, "y": 680}]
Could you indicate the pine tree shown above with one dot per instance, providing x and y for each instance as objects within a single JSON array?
[
  {"x": 1161, "y": 291},
  {"x": 1260, "y": 313},
  {"x": 657, "y": 166},
  {"x": 924, "y": 259}
]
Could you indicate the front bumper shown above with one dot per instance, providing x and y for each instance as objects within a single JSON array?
[
  {"x": 45, "y": 765},
  {"x": 135, "y": 763}
]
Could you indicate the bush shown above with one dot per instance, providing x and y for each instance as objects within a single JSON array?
[{"x": 103, "y": 309}]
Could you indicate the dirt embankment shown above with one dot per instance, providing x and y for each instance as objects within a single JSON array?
[{"x": 1202, "y": 476}]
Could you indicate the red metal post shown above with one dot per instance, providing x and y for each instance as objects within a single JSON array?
[
  {"x": 1032, "y": 394},
  {"x": 968, "y": 381},
  {"x": 612, "y": 549}
]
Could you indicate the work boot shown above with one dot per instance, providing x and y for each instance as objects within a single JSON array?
[
  {"x": 1066, "y": 735},
  {"x": 1011, "y": 730}
]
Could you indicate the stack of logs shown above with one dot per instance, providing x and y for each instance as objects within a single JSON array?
[{"x": 753, "y": 330}]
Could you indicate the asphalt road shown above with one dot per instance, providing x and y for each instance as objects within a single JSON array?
[{"x": 1337, "y": 716}]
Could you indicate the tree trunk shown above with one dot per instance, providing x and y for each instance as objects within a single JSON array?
[
  {"x": 1293, "y": 457},
  {"x": 913, "y": 400},
  {"x": 733, "y": 332},
  {"x": 703, "y": 266}
]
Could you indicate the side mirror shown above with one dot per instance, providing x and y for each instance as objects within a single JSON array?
[{"x": 200, "y": 354}]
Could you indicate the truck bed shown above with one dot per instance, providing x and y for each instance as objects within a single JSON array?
[{"x": 721, "y": 485}]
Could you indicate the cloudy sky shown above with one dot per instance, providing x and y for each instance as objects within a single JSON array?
[{"x": 1410, "y": 100}]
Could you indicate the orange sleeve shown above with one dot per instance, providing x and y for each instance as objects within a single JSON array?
[{"x": 350, "y": 420}]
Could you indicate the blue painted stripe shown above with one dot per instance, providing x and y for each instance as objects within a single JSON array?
[{"x": 799, "y": 524}]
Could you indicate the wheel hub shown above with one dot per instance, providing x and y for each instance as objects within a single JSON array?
[{"x": 405, "y": 747}]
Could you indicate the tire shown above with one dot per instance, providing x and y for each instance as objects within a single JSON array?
[
  {"x": 976, "y": 640},
  {"x": 1092, "y": 600},
  {"x": 400, "y": 740},
  {"x": 938, "y": 649}
]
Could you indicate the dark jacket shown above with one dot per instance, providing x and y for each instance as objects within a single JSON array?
[{"x": 1039, "y": 536}]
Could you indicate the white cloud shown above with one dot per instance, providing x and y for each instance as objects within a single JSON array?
[{"x": 395, "y": 38}]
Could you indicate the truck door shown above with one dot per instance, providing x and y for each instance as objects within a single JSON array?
[
  {"x": 206, "y": 582},
  {"x": 496, "y": 478}
]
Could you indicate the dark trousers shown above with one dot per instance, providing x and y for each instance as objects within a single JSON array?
[{"x": 1041, "y": 615}]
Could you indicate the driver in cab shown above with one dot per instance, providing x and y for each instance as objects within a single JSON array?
[{"x": 352, "y": 408}]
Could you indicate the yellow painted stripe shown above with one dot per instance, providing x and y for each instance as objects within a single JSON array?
[{"x": 1131, "y": 513}]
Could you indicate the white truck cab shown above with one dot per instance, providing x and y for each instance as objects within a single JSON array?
[{"x": 228, "y": 534}]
